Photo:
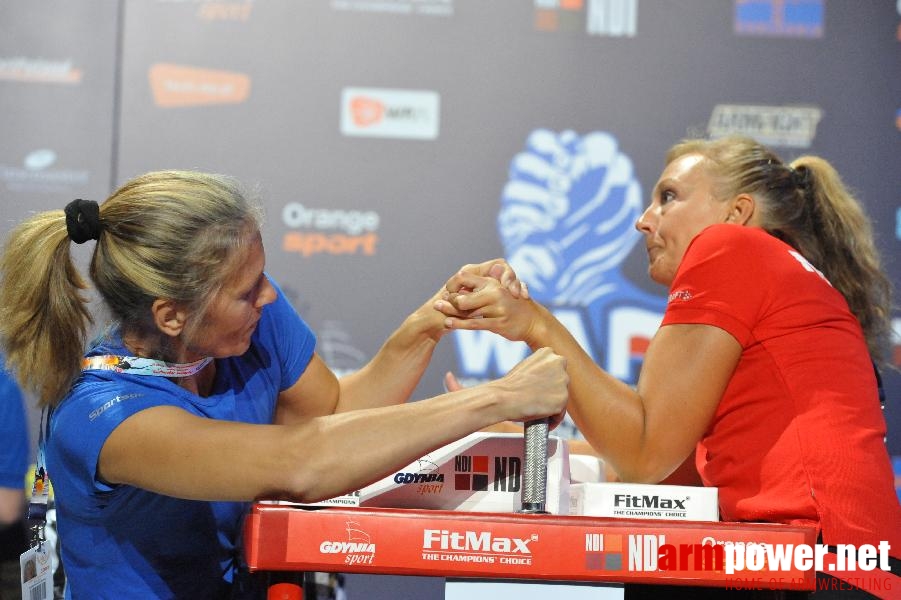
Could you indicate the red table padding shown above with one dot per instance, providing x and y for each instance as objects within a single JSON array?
[{"x": 280, "y": 537}]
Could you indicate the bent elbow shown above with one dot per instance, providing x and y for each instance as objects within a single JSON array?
[
  {"x": 648, "y": 469},
  {"x": 639, "y": 476}
]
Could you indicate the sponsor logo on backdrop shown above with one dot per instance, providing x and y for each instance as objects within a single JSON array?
[
  {"x": 330, "y": 231},
  {"x": 788, "y": 126},
  {"x": 783, "y": 18},
  {"x": 432, "y": 8},
  {"x": 566, "y": 223},
  {"x": 39, "y": 70},
  {"x": 37, "y": 174},
  {"x": 390, "y": 113},
  {"x": 176, "y": 86},
  {"x": 609, "y": 18},
  {"x": 612, "y": 18},
  {"x": 559, "y": 15},
  {"x": 207, "y": 10},
  {"x": 225, "y": 11}
]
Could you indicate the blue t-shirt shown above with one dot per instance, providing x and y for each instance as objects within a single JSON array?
[
  {"x": 122, "y": 541},
  {"x": 13, "y": 432}
]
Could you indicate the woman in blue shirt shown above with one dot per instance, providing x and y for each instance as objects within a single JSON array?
[{"x": 207, "y": 392}]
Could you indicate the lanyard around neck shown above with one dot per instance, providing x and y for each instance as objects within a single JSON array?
[{"x": 137, "y": 365}]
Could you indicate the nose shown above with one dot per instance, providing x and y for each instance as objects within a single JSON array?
[{"x": 644, "y": 224}]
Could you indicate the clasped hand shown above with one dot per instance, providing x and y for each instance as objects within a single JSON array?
[{"x": 488, "y": 296}]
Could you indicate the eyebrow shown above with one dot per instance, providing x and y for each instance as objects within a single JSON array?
[
  {"x": 242, "y": 288},
  {"x": 663, "y": 183}
]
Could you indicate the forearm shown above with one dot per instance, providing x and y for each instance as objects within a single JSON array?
[
  {"x": 309, "y": 460},
  {"x": 393, "y": 373},
  {"x": 319, "y": 456},
  {"x": 610, "y": 414},
  {"x": 643, "y": 433},
  {"x": 367, "y": 445}
]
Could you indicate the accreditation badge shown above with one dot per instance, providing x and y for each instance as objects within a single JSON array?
[{"x": 37, "y": 574}]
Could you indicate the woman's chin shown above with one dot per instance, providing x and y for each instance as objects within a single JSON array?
[{"x": 658, "y": 276}]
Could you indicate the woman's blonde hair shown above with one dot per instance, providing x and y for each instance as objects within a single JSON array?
[
  {"x": 165, "y": 234},
  {"x": 806, "y": 204}
]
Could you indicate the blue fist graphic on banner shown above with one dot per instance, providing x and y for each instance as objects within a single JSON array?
[
  {"x": 567, "y": 223},
  {"x": 568, "y": 214}
]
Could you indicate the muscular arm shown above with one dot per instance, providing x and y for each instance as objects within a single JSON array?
[
  {"x": 167, "y": 450},
  {"x": 388, "y": 379},
  {"x": 393, "y": 373},
  {"x": 643, "y": 433},
  {"x": 647, "y": 432}
]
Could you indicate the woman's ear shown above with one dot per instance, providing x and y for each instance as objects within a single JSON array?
[
  {"x": 741, "y": 210},
  {"x": 169, "y": 317}
]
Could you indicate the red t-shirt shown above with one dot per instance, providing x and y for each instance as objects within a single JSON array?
[{"x": 798, "y": 434}]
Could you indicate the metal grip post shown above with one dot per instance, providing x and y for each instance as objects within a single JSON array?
[{"x": 534, "y": 479}]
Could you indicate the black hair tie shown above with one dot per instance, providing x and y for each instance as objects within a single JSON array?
[
  {"x": 801, "y": 178},
  {"x": 83, "y": 220}
]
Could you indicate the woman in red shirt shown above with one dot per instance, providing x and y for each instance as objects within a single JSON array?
[{"x": 763, "y": 365}]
